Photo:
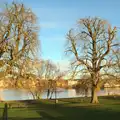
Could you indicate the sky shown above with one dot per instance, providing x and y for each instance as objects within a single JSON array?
[{"x": 57, "y": 17}]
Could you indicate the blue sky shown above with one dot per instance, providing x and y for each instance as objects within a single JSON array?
[{"x": 56, "y": 17}]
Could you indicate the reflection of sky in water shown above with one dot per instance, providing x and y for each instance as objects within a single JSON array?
[
  {"x": 14, "y": 94},
  {"x": 17, "y": 94}
]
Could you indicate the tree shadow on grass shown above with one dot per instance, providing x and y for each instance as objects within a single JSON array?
[
  {"x": 74, "y": 112},
  {"x": 70, "y": 111},
  {"x": 24, "y": 118},
  {"x": 113, "y": 97}
]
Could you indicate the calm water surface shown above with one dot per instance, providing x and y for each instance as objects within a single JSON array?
[{"x": 17, "y": 94}]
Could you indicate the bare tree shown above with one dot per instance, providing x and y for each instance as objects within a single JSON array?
[
  {"x": 29, "y": 79},
  {"x": 51, "y": 74},
  {"x": 18, "y": 35},
  {"x": 47, "y": 75},
  {"x": 90, "y": 44}
]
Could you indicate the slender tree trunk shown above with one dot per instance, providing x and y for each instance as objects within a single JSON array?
[
  {"x": 94, "y": 97},
  {"x": 51, "y": 94}
]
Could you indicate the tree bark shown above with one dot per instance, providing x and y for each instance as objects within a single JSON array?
[{"x": 94, "y": 97}]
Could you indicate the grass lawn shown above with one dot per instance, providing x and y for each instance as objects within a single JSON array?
[{"x": 66, "y": 109}]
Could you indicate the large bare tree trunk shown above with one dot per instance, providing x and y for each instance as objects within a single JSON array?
[
  {"x": 94, "y": 97},
  {"x": 100, "y": 37}
]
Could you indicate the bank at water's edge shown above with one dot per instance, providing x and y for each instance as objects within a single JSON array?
[
  {"x": 18, "y": 94},
  {"x": 65, "y": 109}
]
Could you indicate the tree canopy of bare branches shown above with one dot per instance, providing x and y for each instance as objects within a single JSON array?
[
  {"x": 91, "y": 45},
  {"x": 18, "y": 36}
]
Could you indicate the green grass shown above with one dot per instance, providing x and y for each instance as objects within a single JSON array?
[{"x": 66, "y": 109}]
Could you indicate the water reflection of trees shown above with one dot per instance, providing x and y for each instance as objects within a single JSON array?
[
  {"x": 82, "y": 92},
  {"x": 83, "y": 87},
  {"x": 112, "y": 91}
]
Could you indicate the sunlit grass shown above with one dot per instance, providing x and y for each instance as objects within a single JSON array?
[{"x": 67, "y": 109}]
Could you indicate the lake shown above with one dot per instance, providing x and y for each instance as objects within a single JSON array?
[{"x": 17, "y": 94}]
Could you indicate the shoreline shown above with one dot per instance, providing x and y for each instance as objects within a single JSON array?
[{"x": 105, "y": 96}]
